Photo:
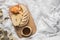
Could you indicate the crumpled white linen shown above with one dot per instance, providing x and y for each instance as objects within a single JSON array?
[{"x": 46, "y": 15}]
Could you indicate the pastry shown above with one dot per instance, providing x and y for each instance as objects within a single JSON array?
[{"x": 19, "y": 15}]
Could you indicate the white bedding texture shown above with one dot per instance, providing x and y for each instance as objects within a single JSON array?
[{"x": 46, "y": 15}]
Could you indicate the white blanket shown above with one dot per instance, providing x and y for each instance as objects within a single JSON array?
[{"x": 46, "y": 15}]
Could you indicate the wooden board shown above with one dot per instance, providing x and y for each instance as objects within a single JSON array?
[{"x": 30, "y": 23}]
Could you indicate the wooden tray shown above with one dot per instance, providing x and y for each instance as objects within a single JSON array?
[{"x": 30, "y": 23}]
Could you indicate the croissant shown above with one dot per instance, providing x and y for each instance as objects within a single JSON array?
[{"x": 19, "y": 15}]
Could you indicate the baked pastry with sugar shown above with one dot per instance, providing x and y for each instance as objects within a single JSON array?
[{"x": 19, "y": 15}]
